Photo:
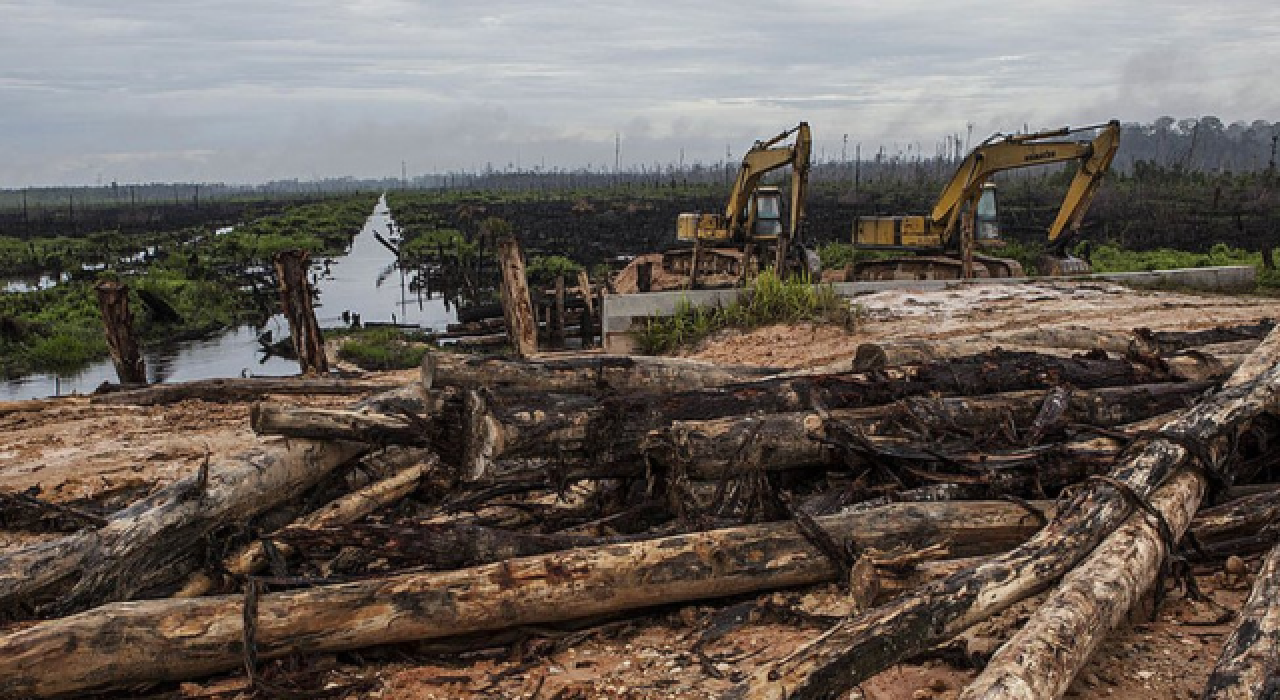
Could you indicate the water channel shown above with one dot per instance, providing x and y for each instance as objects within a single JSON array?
[{"x": 364, "y": 281}]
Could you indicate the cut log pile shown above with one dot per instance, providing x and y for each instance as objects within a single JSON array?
[{"x": 940, "y": 487}]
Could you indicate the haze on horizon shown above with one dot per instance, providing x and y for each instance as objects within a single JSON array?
[{"x": 243, "y": 92}]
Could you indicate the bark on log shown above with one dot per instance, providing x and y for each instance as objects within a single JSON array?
[
  {"x": 858, "y": 648},
  {"x": 618, "y": 429},
  {"x": 236, "y": 390},
  {"x": 584, "y": 373},
  {"x": 295, "y": 300},
  {"x": 517, "y": 309},
  {"x": 1041, "y": 660},
  {"x": 342, "y": 511},
  {"x": 174, "y": 639},
  {"x": 332, "y": 424},
  {"x": 1249, "y": 667},
  {"x": 155, "y": 540},
  {"x": 117, "y": 320}
]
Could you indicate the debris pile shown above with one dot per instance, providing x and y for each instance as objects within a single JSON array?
[{"x": 937, "y": 483}]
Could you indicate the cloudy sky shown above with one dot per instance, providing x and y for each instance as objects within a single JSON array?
[{"x": 195, "y": 90}]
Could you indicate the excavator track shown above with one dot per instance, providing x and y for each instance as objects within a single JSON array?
[{"x": 915, "y": 268}]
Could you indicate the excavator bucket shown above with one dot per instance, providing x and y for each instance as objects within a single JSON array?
[{"x": 1056, "y": 266}]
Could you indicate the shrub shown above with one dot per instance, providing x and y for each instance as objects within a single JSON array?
[
  {"x": 381, "y": 348},
  {"x": 768, "y": 300}
]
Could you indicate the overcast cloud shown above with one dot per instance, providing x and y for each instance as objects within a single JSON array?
[{"x": 239, "y": 91}]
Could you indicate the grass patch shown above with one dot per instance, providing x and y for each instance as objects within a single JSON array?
[
  {"x": 768, "y": 300},
  {"x": 381, "y": 348}
]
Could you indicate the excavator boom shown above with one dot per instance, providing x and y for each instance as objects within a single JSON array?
[{"x": 949, "y": 228}]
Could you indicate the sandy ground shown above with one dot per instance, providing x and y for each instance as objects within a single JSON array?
[{"x": 78, "y": 453}]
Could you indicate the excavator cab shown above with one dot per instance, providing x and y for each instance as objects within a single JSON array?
[
  {"x": 986, "y": 218},
  {"x": 767, "y": 221}
]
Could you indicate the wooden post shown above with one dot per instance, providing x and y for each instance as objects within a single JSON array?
[
  {"x": 113, "y": 300},
  {"x": 556, "y": 325},
  {"x": 517, "y": 309},
  {"x": 295, "y": 297},
  {"x": 586, "y": 326}
]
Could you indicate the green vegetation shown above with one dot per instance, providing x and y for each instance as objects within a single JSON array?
[
  {"x": 382, "y": 348},
  {"x": 543, "y": 270},
  {"x": 768, "y": 300},
  {"x": 202, "y": 276}
]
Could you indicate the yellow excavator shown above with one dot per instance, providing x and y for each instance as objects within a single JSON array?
[
  {"x": 725, "y": 249},
  {"x": 946, "y": 241}
]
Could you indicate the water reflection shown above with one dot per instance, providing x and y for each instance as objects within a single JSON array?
[{"x": 366, "y": 281}]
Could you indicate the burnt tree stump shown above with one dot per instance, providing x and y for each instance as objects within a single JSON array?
[
  {"x": 113, "y": 301},
  {"x": 295, "y": 297}
]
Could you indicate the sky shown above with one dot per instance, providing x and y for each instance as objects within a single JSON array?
[{"x": 95, "y": 91}]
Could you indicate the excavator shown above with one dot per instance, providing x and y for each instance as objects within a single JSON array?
[
  {"x": 725, "y": 249},
  {"x": 946, "y": 242}
]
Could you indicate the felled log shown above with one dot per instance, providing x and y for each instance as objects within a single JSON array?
[
  {"x": 1249, "y": 666},
  {"x": 333, "y": 424},
  {"x": 1144, "y": 339},
  {"x": 786, "y": 440},
  {"x": 1238, "y": 517},
  {"x": 156, "y": 540},
  {"x": 174, "y": 639},
  {"x": 234, "y": 390},
  {"x": 34, "y": 405},
  {"x": 583, "y": 373},
  {"x": 965, "y": 528},
  {"x": 862, "y": 646},
  {"x": 1043, "y": 657},
  {"x": 342, "y": 511},
  {"x": 618, "y": 429}
]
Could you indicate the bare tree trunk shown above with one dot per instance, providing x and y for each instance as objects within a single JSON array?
[
  {"x": 517, "y": 309},
  {"x": 1044, "y": 656},
  {"x": 237, "y": 390},
  {"x": 330, "y": 424},
  {"x": 295, "y": 299},
  {"x": 113, "y": 301},
  {"x": 1249, "y": 667},
  {"x": 585, "y": 373}
]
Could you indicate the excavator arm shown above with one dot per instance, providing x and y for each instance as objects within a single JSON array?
[
  {"x": 763, "y": 158},
  {"x": 1028, "y": 150}
]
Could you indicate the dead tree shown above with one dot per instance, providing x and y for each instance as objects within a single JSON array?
[
  {"x": 517, "y": 309},
  {"x": 117, "y": 320},
  {"x": 295, "y": 300}
]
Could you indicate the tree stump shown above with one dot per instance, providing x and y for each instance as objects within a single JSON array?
[
  {"x": 113, "y": 300},
  {"x": 295, "y": 297},
  {"x": 517, "y": 309}
]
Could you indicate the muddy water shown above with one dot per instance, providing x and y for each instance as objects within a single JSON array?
[{"x": 365, "y": 281}]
